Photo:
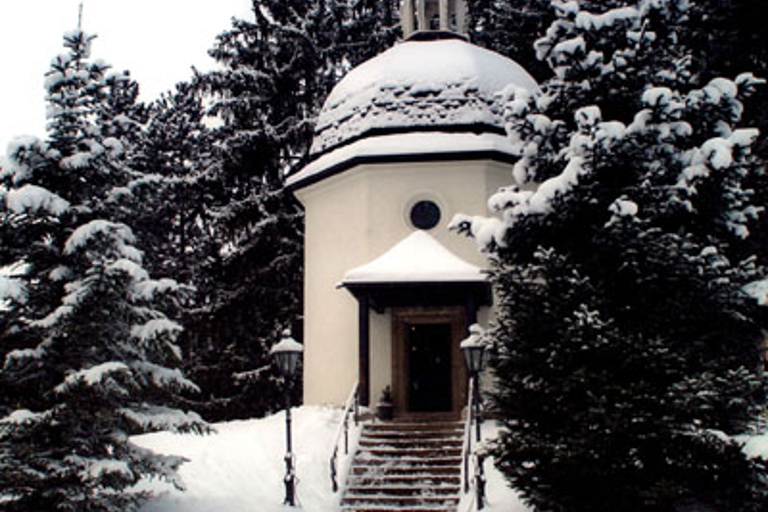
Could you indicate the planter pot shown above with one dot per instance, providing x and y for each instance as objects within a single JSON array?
[{"x": 384, "y": 411}]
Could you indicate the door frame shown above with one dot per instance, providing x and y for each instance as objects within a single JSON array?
[{"x": 401, "y": 317}]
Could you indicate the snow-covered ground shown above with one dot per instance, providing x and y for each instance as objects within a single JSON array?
[{"x": 240, "y": 468}]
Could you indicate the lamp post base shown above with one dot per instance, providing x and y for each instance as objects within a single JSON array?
[
  {"x": 290, "y": 475},
  {"x": 289, "y": 481}
]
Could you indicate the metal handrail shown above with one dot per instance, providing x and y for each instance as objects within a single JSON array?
[
  {"x": 350, "y": 407},
  {"x": 466, "y": 448}
]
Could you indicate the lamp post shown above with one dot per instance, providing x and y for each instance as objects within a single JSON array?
[
  {"x": 287, "y": 353},
  {"x": 473, "y": 348}
]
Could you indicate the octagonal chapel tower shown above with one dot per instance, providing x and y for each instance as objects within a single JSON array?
[{"x": 404, "y": 141}]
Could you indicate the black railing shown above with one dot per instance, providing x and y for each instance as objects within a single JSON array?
[{"x": 350, "y": 407}]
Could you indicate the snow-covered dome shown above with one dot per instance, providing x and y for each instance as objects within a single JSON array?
[{"x": 440, "y": 83}]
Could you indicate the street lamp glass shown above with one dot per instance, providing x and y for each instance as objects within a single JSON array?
[
  {"x": 288, "y": 362},
  {"x": 474, "y": 357},
  {"x": 473, "y": 349},
  {"x": 287, "y": 353}
]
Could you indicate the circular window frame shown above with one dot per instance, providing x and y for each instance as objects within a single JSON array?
[{"x": 423, "y": 198}]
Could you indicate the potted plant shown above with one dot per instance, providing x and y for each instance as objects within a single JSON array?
[{"x": 385, "y": 407}]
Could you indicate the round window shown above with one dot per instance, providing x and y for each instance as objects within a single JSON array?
[{"x": 425, "y": 215}]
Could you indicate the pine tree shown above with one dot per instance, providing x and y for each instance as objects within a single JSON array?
[
  {"x": 627, "y": 351},
  {"x": 278, "y": 68},
  {"x": 510, "y": 28},
  {"x": 105, "y": 365},
  {"x": 32, "y": 220},
  {"x": 377, "y": 20},
  {"x": 253, "y": 289},
  {"x": 77, "y": 93},
  {"x": 89, "y": 350},
  {"x": 728, "y": 39},
  {"x": 55, "y": 185},
  {"x": 169, "y": 201}
]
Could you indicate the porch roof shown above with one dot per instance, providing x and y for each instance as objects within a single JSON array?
[
  {"x": 418, "y": 258},
  {"x": 418, "y": 271}
]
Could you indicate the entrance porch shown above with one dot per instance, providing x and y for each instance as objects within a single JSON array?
[{"x": 415, "y": 304}]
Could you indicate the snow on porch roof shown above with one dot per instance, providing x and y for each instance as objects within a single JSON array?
[{"x": 418, "y": 258}]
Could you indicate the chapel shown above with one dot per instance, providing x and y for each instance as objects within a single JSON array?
[{"x": 404, "y": 142}]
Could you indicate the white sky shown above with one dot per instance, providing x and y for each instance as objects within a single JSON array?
[{"x": 158, "y": 41}]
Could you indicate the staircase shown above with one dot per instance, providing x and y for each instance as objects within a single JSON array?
[{"x": 406, "y": 467}]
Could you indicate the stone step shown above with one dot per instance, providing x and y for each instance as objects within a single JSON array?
[
  {"x": 416, "y": 436},
  {"x": 367, "y": 459},
  {"x": 387, "y": 508},
  {"x": 414, "y": 453},
  {"x": 404, "y": 479},
  {"x": 410, "y": 434},
  {"x": 405, "y": 442},
  {"x": 451, "y": 468},
  {"x": 414, "y": 426},
  {"x": 400, "y": 490},
  {"x": 400, "y": 501},
  {"x": 412, "y": 466}
]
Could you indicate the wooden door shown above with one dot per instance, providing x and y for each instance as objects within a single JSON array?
[{"x": 428, "y": 369}]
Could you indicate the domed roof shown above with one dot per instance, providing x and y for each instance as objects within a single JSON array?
[{"x": 418, "y": 85}]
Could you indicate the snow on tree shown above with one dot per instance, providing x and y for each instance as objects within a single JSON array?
[
  {"x": 75, "y": 86},
  {"x": 628, "y": 352},
  {"x": 729, "y": 39},
  {"x": 89, "y": 351},
  {"x": 105, "y": 363},
  {"x": 55, "y": 185},
  {"x": 277, "y": 69},
  {"x": 32, "y": 218},
  {"x": 369, "y": 27},
  {"x": 168, "y": 204},
  {"x": 510, "y": 27}
]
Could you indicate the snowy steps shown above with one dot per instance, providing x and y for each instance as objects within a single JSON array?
[{"x": 406, "y": 466}]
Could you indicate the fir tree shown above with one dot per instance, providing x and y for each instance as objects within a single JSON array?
[
  {"x": 105, "y": 364},
  {"x": 168, "y": 203},
  {"x": 510, "y": 28},
  {"x": 370, "y": 27},
  {"x": 627, "y": 351},
  {"x": 55, "y": 185},
  {"x": 88, "y": 160},
  {"x": 89, "y": 349},
  {"x": 728, "y": 39},
  {"x": 278, "y": 68}
]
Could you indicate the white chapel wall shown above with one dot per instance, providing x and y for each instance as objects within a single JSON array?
[
  {"x": 334, "y": 241},
  {"x": 355, "y": 217},
  {"x": 381, "y": 353}
]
